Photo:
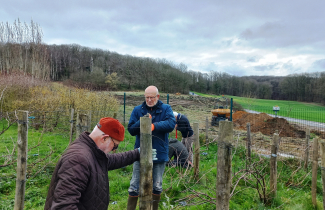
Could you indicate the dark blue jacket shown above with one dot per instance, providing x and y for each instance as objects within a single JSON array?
[
  {"x": 184, "y": 126},
  {"x": 164, "y": 121}
]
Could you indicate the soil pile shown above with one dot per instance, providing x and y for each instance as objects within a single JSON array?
[{"x": 266, "y": 124}]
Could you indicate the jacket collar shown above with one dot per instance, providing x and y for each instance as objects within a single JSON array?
[
  {"x": 172, "y": 140},
  {"x": 157, "y": 106},
  {"x": 84, "y": 137}
]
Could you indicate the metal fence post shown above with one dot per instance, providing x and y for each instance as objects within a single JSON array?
[{"x": 124, "y": 109}]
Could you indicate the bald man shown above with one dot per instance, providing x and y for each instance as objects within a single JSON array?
[{"x": 163, "y": 122}]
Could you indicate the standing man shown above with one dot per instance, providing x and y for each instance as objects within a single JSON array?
[
  {"x": 163, "y": 122},
  {"x": 184, "y": 126},
  {"x": 80, "y": 179}
]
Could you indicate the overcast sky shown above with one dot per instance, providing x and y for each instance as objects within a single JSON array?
[{"x": 242, "y": 37}]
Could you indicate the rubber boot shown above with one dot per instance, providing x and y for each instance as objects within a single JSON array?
[
  {"x": 132, "y": 202},
  {"x": 155, "y": 203}
]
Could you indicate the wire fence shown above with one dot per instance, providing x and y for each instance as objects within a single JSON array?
[{"x": 49, "y": 133}]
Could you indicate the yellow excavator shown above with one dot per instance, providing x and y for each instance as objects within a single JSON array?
[{"x": 219, "y": 113}]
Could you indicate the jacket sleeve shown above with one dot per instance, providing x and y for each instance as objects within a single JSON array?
[
  {"x": 167, "y": 124},
  {"x": 72, "y": 181},
  {"x": 122, "y": 159},
  {"x": 134, "y": 124}
]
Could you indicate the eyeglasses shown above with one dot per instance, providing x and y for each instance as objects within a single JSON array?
[
  {"x": 151, "y": 98},
  {"x": 115, "y": 146}
]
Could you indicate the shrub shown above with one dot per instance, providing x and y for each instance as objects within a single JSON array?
[{"x": 21, "y": 94}]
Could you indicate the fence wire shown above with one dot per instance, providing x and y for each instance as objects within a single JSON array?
[{"x": 47, "y": 131}]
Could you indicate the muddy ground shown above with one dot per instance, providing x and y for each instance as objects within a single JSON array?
[{"x": 263, "y": 126}]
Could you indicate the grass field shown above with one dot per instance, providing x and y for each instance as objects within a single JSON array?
[
  {"x": 179, "y": 184},
  {"x": 294, "y": 109}
]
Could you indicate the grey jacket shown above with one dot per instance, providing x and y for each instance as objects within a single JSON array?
[{"x": 179, "y": 152}]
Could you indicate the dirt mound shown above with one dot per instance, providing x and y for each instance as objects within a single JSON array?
[{"x": 266, "y": 124}]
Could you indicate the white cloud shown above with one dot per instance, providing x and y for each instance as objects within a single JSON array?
[{"x": 237, "y": 37}]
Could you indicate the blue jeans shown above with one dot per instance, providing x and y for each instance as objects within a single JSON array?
[{"x": 157, "y": 174}]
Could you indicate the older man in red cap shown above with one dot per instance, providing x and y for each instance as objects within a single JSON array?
[{"x": 80, "y": 179}]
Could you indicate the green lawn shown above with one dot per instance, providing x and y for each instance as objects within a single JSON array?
[{"x": 294, "y": 109}]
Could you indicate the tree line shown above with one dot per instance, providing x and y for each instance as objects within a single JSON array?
[{"x": 22, "y": 50}]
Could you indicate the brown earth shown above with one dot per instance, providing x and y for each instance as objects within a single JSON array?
[
  {"x": 266, "y": 124},
  {"x": 262, "y": 122}
]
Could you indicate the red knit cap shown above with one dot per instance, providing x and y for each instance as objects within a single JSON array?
[{"x": 111, "y": 127}]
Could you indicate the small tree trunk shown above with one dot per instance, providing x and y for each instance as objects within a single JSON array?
[
  {"x": 206, "y": 131},
  {"x": 322, "y": 149},
  {"x": 71, "y": 125},
  {"x": 307, "y": 148},
  {"x": 248, "y": 144},
  {"x": 82, "y": 123},
  {"x": 224, "y": 165},
  {"x": 21, "y": 159},
  {"x": 196, "y": 150},
  {"x": 146, "y": 164},
  {"x": 314, "y": 172},
  {"x": 273, "y": 165}
]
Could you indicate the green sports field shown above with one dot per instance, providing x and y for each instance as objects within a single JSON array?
[{"x": 294, "y": 109}]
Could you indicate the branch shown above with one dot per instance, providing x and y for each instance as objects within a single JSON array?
[{"x": 8, "y": 127}]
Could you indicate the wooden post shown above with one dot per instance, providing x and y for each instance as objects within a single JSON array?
[
  {"x": 89, "y": 121},
  {"x": 273, "y": 164},
  {"x": 71, "y": 125},
  {"x": 21, "y": 159},
  {"x": 314, "y": 172},
  {"x": 146, "y": 164},
  {"x": 82, "y": 124},
  {"x": 224, "y": 164},
  {"x": 206, "y": 131},
  {"x": 196, "y": 150},
  {"x": 248, "y": 144},
  {"x": 322, "y": 149},
  {"x": 307, "y": 148}
]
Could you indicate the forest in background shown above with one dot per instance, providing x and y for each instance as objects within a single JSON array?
[{"x": 22, "y": 51}]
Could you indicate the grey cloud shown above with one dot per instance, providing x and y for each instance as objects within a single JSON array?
[
  {"x": 184, "y": 31},
  {"x": 318, "y": 65},
  {"x": 266, "y": 68},
  {"x": 252, "y": 59}
]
